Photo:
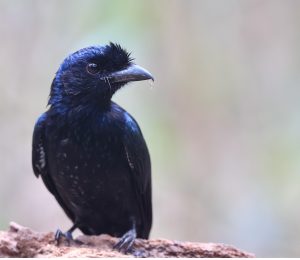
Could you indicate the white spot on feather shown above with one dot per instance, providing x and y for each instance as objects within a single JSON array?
[
  {"x": 128, "y": 159},
  {"x": 64, "y": 141},
  {"x": 42, "y": 159}
]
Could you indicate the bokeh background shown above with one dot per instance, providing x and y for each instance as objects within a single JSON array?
[{"x": 222, "y": 120}]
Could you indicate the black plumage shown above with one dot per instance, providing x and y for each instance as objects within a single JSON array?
[{"x": 90, "y": 152}]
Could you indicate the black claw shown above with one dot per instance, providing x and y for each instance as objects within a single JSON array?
[
  {"x": 59, "y": 234},
  {"x": 139, "y": 253},
  {"x": 68, "y": 236},
  {"x": 126, "y": 242}
]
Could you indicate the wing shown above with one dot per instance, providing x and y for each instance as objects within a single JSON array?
[
  {"x": 39, "y": 164},
  {"x": 139, "y": 162},
  {"x": 39, "y": 160}
]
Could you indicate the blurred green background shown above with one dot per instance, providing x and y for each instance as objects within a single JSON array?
[{"x": 222, "y": 121}]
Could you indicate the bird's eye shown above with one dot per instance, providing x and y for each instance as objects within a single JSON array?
[{"x": 92, "y": 68}]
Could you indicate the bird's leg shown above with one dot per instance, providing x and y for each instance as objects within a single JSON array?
[
  {"x": 67, "y": 235},
  {"x": 126, "y": 241}
]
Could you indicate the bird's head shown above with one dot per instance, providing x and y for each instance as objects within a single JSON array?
[{"x": 95, "y": 74}]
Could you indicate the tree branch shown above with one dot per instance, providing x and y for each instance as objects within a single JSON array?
[{"x": 23, "y": 242}]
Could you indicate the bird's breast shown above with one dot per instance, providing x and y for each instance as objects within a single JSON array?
[{"x": 89, "y": 166}]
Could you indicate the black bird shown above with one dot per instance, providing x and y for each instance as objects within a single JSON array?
[{"x": 90, "y": 152}]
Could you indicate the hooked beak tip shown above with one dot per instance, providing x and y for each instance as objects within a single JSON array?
[{"x": 131, "y": 73}]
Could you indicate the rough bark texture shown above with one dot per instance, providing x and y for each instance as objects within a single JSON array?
[{"x": 23, "y": 242}]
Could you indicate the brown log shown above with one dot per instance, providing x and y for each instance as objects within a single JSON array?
[{"x": 23, "y": 242}]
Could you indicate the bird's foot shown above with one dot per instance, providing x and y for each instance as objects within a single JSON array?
[
  {"x": 139, "y": 253},
  {"x": 126, "y": 242},
  {"x": 67, "y": 235}
]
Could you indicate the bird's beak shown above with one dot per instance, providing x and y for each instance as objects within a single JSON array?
[{"x": 131, "y": 73}]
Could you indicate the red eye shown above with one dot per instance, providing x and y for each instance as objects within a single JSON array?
[{"x": 92, "y": 68}]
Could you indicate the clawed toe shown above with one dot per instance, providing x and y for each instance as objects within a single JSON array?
[
  {"x": 126, "y": 242},
  {"x": 67, "y": 235}
]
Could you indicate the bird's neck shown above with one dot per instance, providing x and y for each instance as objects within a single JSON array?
[
  {"x": 64, "y": 103},
  {"x": 79, "y": 109}
]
